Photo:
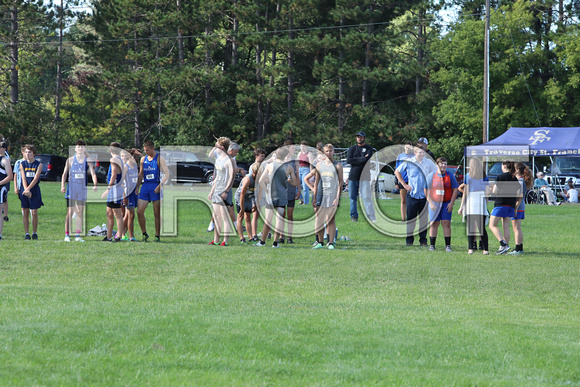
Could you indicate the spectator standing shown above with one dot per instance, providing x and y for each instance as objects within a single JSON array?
[
  {"x": 423, "y": 143},
  {"x": 305, "y": 162},
  {"x": 407, "y": 154},
  {"x": 359, "y": 178},
  {"x": 441, "y": 196},
  {"x": 474, "y": 205},
  {"x": 5, "y": 178},
  {"x": 418, "y": 168}
]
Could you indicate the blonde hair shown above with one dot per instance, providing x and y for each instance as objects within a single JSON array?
[{"x": 476, "y": 168}]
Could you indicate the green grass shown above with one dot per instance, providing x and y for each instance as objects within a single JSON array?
[{"x": 370, "y": 312}]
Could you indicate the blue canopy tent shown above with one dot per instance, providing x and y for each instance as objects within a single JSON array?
[
  {"x": 522, "y": 144},
  {"x": 529, "y": 142}
]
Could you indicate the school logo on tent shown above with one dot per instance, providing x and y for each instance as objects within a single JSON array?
[{"x": 540, "y": 136}]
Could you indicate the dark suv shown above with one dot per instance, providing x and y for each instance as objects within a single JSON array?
[{"x": 52, "y": 167}]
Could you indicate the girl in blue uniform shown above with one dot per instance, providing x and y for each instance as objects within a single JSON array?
[
  {"x": 76, "y": 172},
  {"x": 30, "y": 195},
  {"x": 130, "y": 197},
  {"x": 114, "y": 194}
]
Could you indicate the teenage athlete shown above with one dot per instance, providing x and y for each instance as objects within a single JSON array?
[
  {"x": 5, "y": 178},
  {"x": 76, "y": 172},
  {"x": 30, "y": 195},
  {"x": 114, "y": 194},
  {"x": 526, "y": 179},
  {"x": 151, "y": 167}
]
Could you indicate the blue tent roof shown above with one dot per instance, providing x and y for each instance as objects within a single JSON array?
[{"x": 530, "y": 142}]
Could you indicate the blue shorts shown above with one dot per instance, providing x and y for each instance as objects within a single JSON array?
[
  {"x": 440, "y": 212},
  {"x": 148, "y": 192},
  {"x": 503, "y": 212},
  {"x": 4, "y": 193},
  {"x": 519, "y": 215},
  {"x": 132, "y": 200},
  {"x": 33, "y": 203}
]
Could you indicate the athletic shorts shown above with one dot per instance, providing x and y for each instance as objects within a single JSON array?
[
  {"x": 503, "y": 212},
  {"x": 148, "y": 192},
  {"x": 279, "y": 203},
  {"x": 33, "y": 203},
  {"x": 73, "y": 202},
  {"x": 217, "y": 199},
  {"x": 113, "y": 205},
  {"x": 230, "y": 199},
  {"x": 291, "y": 203},
  {"x": 131, "y": 200},
  {"x": 440, "y": 212},
  {"x": 4, "y": 193},
  {"x": 519, "y": 215}
]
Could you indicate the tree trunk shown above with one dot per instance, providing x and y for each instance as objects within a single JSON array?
[
  {"x": 291, "y": 35},
  {"x": 420, "y": 50},
  {"x": 341, "y": 87},
  {"x": 14, "y": 61},
  {"x": 365, "y": 89},
  {"x": 261, "y": 130},
  {"x": 58, "y": 73},
  {"x": 180, "y": 49},
  {"x": 207, "y": 65}
]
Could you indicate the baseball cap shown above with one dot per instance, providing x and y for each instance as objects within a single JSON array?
[
  {"x": 361, "y": 133},
  {"x": 423, "y": 139},
  {"x": 3, "y": 145}
]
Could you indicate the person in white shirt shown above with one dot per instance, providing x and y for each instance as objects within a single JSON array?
[{"x": 572, "y": 193}]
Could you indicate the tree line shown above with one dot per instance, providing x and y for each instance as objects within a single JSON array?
[{"x": 264, "y": 71}]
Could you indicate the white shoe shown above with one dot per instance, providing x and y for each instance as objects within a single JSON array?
[
  {"x": 79, "y": 239},
  {"x": 67, "y": 238}
]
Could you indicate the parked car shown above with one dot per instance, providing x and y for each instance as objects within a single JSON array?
[
  {"x": 457, "y": 171},
  {"x": 52, "y": 167},
  {"x": 187, "y": 167},
  {"x": 495, "y": 170}
]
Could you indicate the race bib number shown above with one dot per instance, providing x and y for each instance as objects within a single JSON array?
[
  {"x": 440, "y": 192},
  {"x": 150, "y": 176},
  {"x": 30, "y": 174},
  {"x": 79, "y": 176},
  {"x": 326, "y": 185},
  {"x": 134, "y": 180}
]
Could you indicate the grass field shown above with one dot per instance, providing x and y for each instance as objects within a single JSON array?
[{"x": 370, "y": 312}]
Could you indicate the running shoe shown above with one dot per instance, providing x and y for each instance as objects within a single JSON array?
[
  {"x": 67, "y": 238},
  {"x": 133, "y": 239},
  {"x": 448, "y": 248},
  {"x": 79, "y": 239},
  {"x": 502, "y": 250},
  {"x": 243, "y": 241},
  {"x": 224, "y": 244},
  {"x": 212, "y": 243},
  {"x": 145, "y": 237},
  {"x": 6, "y": 219},
  {"x": 105, "y": 239},
  {"x": 115, "y": 240},
  {"x": 157, "y": 239},
  {"x": 260, "y": 244},
  {"x": 34, "y": 237},
  {"x": 125, "y": 238},
  {"x": 431, "y": 248},
  {"x": 318, "y": 246},
  {"x": 290, "y": 241},
  {"x": 330, "y": 246},
  {"x": 277, "y": 246},
  {"x": 515, "y": 252}
]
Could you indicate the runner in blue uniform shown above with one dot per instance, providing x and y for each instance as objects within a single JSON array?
[
  {"x": 130, "y": 197},
  {"x": 151, "y": 167},
  {"x": 114, "y": 193},
  {"x": 4, "y": 153},
  {"x": 5, "y": 178},
  {"x": 30, "y": 195},
  {"x": 76, "y": 172}
]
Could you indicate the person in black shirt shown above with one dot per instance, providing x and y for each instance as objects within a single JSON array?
[
  {"x": 508, "y": 195},
  {"x": 359, "y": 177}
]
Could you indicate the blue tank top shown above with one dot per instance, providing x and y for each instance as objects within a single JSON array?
[
  {"x": 3, "y": 173},
  {"x": 77, "y": 180},
  {"x": 29, "y": 172},
  {"x": 131, "y": 178},
  {"x": 119, "y": 175},
  {"x": 151, "y": 170}
]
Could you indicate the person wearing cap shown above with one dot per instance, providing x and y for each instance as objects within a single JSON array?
[
  {"x": 542, "y": 184},
  {"x": 359, "y": 177},
  {"x": 423, "y": 142},
  {"x": 5, "y": 178}
]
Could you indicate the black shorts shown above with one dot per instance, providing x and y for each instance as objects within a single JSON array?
[
  {"x": 73, "y": 202},
  {"x": 292, "y": 203},
  {"x": 113, "y": 205}
]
